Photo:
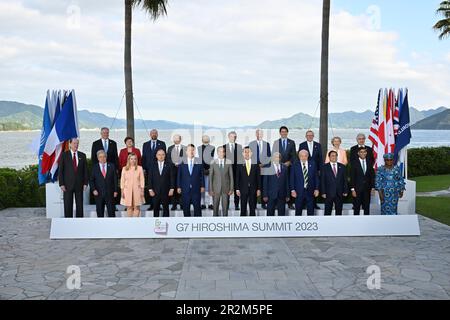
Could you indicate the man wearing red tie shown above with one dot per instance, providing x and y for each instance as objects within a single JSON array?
[
  {"x": 103, "y": 184},
  {"x": 334, "y": 184},
  {"x": 73, "y": 178}
]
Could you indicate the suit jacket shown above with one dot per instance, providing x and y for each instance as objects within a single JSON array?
[
  {"x": 334, "y": 186},
  {"x": 206, "y": 154},
  {"x": 276, "y": 186},
  {"x": 260, "y": 156},
  {"x": 66, "y": 173},
  {"x": 236, "y": 157},
  {"x": 360, "y": 181},
  {"x": 354, "y": 154},
  {"x": 105, "y": 186},
  {"x": 221, "y": 180},
  {"x": 190, "y": 183},
  {"x": 317, "y": 155},
  {"x": 286, "y": 155},
  {"x": 149, "y": 155},
  {"x": 112, "y": 155},
  {"x": 162, "y": 183},
  {"x": 172, "y": 155},
  {"x": 297, "y": 182},
  {"x": 248, "y": 183}
]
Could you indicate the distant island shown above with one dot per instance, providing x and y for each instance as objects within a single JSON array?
[
  {"x": 19, "y": 116},
  {"x": 439, "y": 121}
]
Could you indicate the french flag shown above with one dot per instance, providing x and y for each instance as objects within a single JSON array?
[{"x": 64, "y": 129}]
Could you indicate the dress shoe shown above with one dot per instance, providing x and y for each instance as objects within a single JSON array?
[
  {"x": 291, "y": 207},
  {"x": 236, "y": 208},
  {"x": 210, "y": 207},
  {"x": 316, "y": 207},
  {"x": 264, "y": 206},
  {"x": 203, "y": 206},
  {"x": 173, "y": 208}
]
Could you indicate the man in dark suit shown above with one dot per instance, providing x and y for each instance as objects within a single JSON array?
[
  {"x": 275, "y": 186},
  {"x": 261, "y": 154},
  {"x": 315, "y": 153},
  {"x": 73, "y": 178},
  {"x": 161, "y": 183},
  {"x": 190, "y": 182},
  {"x": 206, "y": 154},
  {"x": 175, "y": 154},
  {"x": 107, "y": 145},
  {"x": 233, "y": 152},
  {"x": 248, "y": 182},
  {"x": 104, "y": 185},
  {"x": 286, "y": 147},
  {"x": 361, "y": 142},
  {"x": 304, "y": 183},
  {"x": 362, "y": 182},
  {"x": 149, "y": 150},
  {"x": 334, "y": 184}
]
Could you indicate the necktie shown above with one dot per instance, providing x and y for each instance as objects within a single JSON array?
[
  {"x": 103, "y": 171},
  {"x": 258, "y": 150},
  {"x": 284, "y": 144},
  {"x": 178, "y": 151},
  {"x": 160, "y": 168},
  {"x": 105, "y": 146},
  {"x": 305, "y": 175},
  {"x": 75, "y": 166},
  {"x": 278, "y": 170},
  {"x": 364, "y": 166},
  {"x": 247, "y": 165},
  {"x": 334, "y": 169},
  {"x": 311, "y": 148},
  {"x": 232, "y": 148},
  {"x": 221, "y": 165},
  {"x": 190, "y": 167}
]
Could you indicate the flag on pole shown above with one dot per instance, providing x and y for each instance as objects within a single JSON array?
[
  {"x": 64, "y": 129},
  {"x": 375, "y": 127},
  {"x": 389, "y": 127},
  {"x": 403, "y": 138},
  {"x": 45, "y": 131}
]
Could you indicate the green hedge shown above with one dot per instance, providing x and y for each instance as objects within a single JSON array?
[
  {"x": 428, "y": 161},
  {"x": 19, "y": 188}
]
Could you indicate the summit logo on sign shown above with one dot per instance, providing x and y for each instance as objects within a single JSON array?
[{"x": 161, "y": 227}]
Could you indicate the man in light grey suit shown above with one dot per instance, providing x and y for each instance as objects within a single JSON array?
[{"x": 221, "y": 184}]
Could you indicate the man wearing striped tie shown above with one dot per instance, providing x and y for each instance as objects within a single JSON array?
[{"x": 304, "y": 183}]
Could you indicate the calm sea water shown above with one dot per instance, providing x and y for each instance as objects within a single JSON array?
[{"x": 19, "y": 148}]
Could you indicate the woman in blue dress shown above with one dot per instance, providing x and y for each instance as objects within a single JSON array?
[{"x": 390, "y": 185}]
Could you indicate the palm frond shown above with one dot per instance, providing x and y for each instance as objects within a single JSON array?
[
  {"x": 155, "y": 8},
  {"x": 443, "y": 26}
]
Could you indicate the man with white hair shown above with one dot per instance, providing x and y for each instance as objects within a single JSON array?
[
  {"x": 361, "y": 143},
  {"x": 304, "y": 183},
  {"x": 261, "y": 154}
]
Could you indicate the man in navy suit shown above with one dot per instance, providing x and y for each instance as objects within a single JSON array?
[
  {"x": 190, "y": 182},
  {"x": 149, "y": 150},
  {"x": 334, "y": 184},
  {"x": 261, "y": 156},
  {"x": 161, "y": 183},
  {"x": 276, "y": 186},
  {"x": 304, "y": 183},
  {"x": 315, "y": 152},
  {"x": 286, "y": 147},
  {"x": 104, "y": 185}
]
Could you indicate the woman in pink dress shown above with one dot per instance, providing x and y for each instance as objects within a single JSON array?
[{"x": 342, "y": 153}]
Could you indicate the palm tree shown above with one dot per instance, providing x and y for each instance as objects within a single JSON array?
[
  {"x": 443, "y": 26},
  {"x": 323, "y": 132},
  {"x": 155, "y": 8}
]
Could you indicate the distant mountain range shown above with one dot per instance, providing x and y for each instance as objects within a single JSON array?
[
  {"x": 343, "y": 120},
  {"x": 439, "y": 121},
  {"x": 20, "y": 116}
]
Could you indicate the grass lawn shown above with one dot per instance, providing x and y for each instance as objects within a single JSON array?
[
  {"x": 432, "y": 183},
  {"x": 437, "y": 208}
]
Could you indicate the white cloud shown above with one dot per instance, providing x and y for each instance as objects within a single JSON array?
[{"x": 227, "y": 63}]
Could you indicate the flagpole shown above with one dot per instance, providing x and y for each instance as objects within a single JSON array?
[{"x": 406, "y": 163}]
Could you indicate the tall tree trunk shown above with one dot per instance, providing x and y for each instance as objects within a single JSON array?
[
  {"x": 324, "y": 76},
  {"x": 127, "y": 68}
]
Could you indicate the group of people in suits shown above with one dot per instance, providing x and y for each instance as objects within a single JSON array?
[{"x": 281, "y": 175}]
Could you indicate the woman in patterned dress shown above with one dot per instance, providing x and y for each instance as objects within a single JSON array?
[{"x": 390, "y": 185}]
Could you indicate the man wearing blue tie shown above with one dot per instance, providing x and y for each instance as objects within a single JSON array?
[
  {"x": 190, "y": 182},
  {"x": 276, "y": 186},
  {"x": 304, "y": 183}
]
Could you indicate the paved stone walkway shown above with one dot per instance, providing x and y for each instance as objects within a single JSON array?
[{"x": 34, "y": 267}]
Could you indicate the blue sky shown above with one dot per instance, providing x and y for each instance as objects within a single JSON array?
[{"x": 221, "y": 63}]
